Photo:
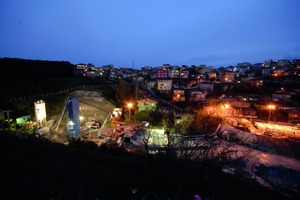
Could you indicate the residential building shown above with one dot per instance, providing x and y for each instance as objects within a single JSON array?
[
  {"x": 283, "y": 62},
  {"x": 164, "y": 85},
  {"x": 281, "y": 97},
  {"x": 162, "y": 73},
  {"x": 268, "y": 63},
  {"x": 255, "y": 82},
  {"x": 174, "y": 72},
  {"x": 265, "y": 72},
  {"x": 197, "y": 96},
  {"x": 207, "y": 86},
  {"x": 294, "y": 116},
  {"x": 178, "y": 95},
  {"x": 228, "y": 77},
  {"x": 147, "y": 104},
  {"x": 184, "y": 73}
]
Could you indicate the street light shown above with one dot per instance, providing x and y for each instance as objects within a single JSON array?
[
  {"x": 225, "y": 109},
  {"x": 81, "y": 118},
  {"x": 129, "y": 105},
  {"x": 226, "y": 106},
  {"x": 71, "y": 128},
  {"x": 270, "y": 107}
]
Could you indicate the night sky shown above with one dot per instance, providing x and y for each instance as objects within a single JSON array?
[{"x": 150, "y": 32}]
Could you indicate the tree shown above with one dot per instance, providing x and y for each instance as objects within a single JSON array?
[
  {"x": 124, "y": 91},
  {"x": 182, "y": 127},
  {"x": 171, "y": 164},
  {"x": 204, "y": 124},
  {"x": 154, "y": 117},
  {"x": 168, "y": 121}
]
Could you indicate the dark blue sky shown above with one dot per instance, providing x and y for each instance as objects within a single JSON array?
[{"x": 150, "y": 32}]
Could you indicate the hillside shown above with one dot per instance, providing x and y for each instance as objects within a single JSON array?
[
  {"x": 15, "y": 68},
  {"x": 24, "y": 81},
  {"x": 33, "y": 168},
  {"x": 20, "y": 77}
]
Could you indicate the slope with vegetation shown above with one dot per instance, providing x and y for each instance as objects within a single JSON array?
[{"x": 34, "y": 168}]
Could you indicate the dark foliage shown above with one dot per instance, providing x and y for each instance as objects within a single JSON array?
[
  {"x": 33, "y": 168},
  {"x": 24, "y": 77},
  {"x": 15, "y": 69}
]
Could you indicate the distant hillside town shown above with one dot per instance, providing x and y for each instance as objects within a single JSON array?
[{"x": 249, "y": 88}]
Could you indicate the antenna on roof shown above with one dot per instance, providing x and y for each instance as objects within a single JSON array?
[{"x": 133, "y": 64}]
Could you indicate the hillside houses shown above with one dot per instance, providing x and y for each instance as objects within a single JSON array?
[{"x": 276, "y": 81}]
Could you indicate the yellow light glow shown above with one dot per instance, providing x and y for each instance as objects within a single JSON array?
[
  {"x": 129, "y": 105},
  {"x": 40, "y": 111},
  {"x": 271, "y": 107},
  {"x": 81, "y": 118}
]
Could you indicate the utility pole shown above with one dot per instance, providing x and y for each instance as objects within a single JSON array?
[
  {"x": 129, "y": 105},
  {"x": 270, "y": 107},
  {"x": 136, "y": 91}
]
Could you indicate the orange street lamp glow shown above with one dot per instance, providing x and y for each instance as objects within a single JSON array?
[
  {"x": 129, "y": 105},
  {"x": 271, "y": 107},
  {"x": 226, "y": 106}
]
